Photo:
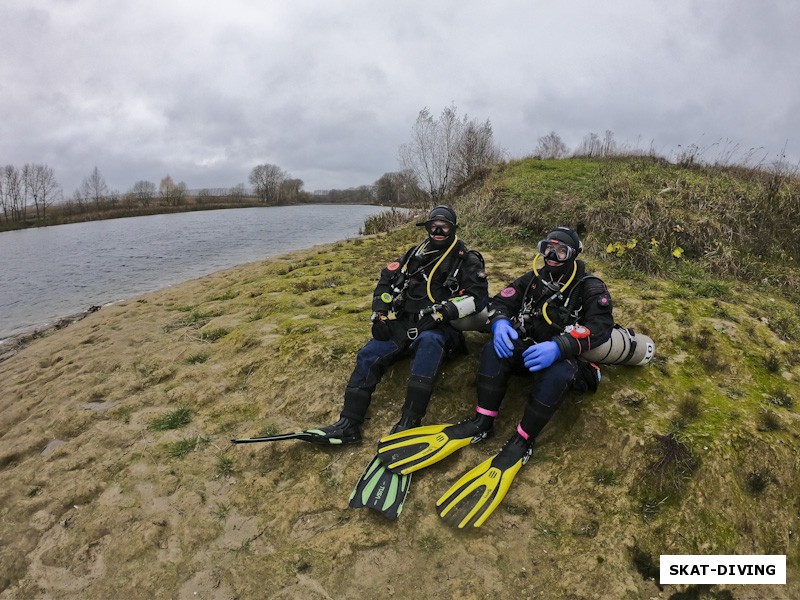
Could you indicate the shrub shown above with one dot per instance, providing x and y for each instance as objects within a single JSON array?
[
  {"x": 386, "y": 221},
  {"x": 173, "y": 420}
]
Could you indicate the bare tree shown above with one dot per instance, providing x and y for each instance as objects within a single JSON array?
[
  {"x": 290, "y": 189},
  {"x": 172, "y": 193},
  {"x": 13, "y": 194},
  {"x": 551, "y": 146},
  {"x": 78, "y": 200},
  {"x": 144, "y": 192},
  {"x": 475, "y": 150},
  {"x": 387, "y": 191},
  {"x": 446, "y": 151},
  {"x": 41, "y": 187},
  {"x": 431, "y": 154},
  {"x": 3, "y": 205},
  {"x": 590, "y": 146},
  {"x": 267, "y": 180},
  {"x": 93, "y": 188},
  {"x": 594, "y": 146},
  {"x": 165, "y": 187},
  {"x": 237, "y": 193},
  {"x": 609, "y": 145}
]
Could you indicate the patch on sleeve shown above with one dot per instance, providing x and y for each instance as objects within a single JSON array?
[
  {"x": 393, "y": 266},
  {"x": 481, "y": 274},
  {"x": 579, "y": 332},
  {"x": 508, "y": 292},
  {"x": 604, "y": 301}
]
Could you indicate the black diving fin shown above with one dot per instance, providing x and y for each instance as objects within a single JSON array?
[
  {"x": 327, "y": 436},
  {"x": 344, "y": 431},
  {"x": 308, "y": 435}
]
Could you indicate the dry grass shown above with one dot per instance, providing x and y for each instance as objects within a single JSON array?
[{"x": 732, "y": 221}]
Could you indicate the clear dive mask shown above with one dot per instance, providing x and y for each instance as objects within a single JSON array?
[{"x": 556, "y": 251}]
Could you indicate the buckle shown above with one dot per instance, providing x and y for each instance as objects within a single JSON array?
[{"x": 412, "y": 333}]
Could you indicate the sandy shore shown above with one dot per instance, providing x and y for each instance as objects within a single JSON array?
[{"x": 12, "y": 344}]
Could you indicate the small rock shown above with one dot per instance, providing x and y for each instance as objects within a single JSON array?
[{"x": 51, "y": 446}]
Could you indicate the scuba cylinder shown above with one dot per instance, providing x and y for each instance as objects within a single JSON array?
[
  {"x": 478, "y": 321},
  {"x": 624, "y": 347}
]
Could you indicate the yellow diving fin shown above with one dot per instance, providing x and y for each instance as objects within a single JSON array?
[
  {"x": 408, "y": 451},
  {"x": 480, "y": 491}
]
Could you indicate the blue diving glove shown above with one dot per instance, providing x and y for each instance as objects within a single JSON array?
[
  {"x": 541, "y": 355},
  {"x": 504, "y": 335}
]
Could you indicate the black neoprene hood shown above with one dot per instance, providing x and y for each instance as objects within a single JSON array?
[
  {"x": 568, "y": 236},
  {"x": 443, "y": 213}
]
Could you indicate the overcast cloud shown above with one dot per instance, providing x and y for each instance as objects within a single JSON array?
[{"x": 329, "y": 90}]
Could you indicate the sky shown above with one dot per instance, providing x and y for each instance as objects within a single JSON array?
[{"x": 328, "y": 91}]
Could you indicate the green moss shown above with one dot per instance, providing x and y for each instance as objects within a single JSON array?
[
  {"x": 228, "y": 294},
  {"x": 240, "y": 339},
  {"x": 715, "y": 530},
  {"x": 430, "y": 544}
]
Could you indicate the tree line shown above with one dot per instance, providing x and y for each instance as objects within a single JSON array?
[
  {"x": 32, "y": 196},
  {"x": 443, "y": 152}
]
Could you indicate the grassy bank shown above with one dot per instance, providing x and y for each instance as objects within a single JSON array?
[{"x": 117, "y": 476}]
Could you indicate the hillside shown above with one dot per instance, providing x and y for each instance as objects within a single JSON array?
[{"x": 117, "y": 478}]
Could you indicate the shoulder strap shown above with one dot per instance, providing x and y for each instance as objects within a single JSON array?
[
  {"x": 576, "y": 293},
  {"x": 479, "y": 255},
  {"x": 451, "y": 282}
]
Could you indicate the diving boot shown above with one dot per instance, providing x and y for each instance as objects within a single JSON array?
[
  {"x": 344, "y": 431},
  {"x": 406, "y": 422}
]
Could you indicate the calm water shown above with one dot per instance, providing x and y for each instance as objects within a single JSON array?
[{"x": 53, "y": 272}]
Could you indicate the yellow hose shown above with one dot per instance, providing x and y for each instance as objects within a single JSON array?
[{"x": 430, "y": 277}]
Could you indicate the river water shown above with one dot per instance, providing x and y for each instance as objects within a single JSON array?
[{"x": 53, "y": 272}]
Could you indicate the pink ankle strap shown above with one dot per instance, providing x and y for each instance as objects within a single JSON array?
[
  {"x": 521, "y": 431},
  {"x": 488, "y": 413}
]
